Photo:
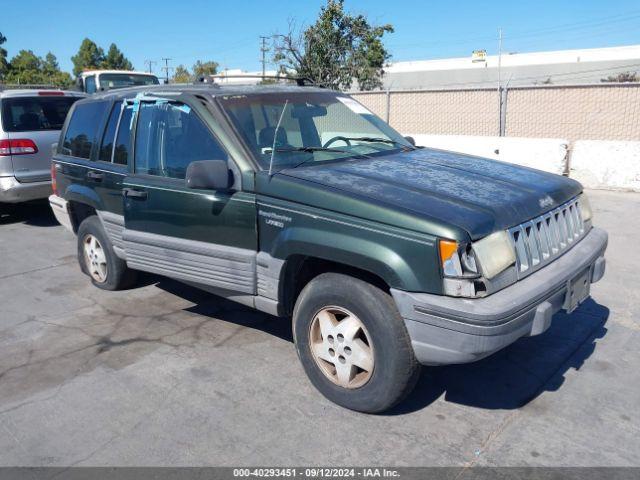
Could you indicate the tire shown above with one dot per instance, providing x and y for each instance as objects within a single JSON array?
[
  {"x": 106, "y": 270},
  {"x": 394, "y": 371}
]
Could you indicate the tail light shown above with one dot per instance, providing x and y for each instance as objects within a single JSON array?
[
  {"x": 18, "y": 146},
  {"x": 51, "y": 93},
  {"x": 54, "y": 182}
]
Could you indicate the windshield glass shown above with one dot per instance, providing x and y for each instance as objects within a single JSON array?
[
  {"x": 290, "y": 129},
  {"x": 109, "y": 81}
]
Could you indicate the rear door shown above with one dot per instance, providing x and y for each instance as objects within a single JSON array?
[
  {"x": 205, "y": 237},
  {"x": 34, "y": 120}
]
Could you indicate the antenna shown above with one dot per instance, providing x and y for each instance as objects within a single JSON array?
[{"x": 275, "y": 135}]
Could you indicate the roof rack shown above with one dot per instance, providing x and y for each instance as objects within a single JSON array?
[{"x": 300, "y": 81}]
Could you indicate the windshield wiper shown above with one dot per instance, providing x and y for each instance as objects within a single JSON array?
[
  {"x": 380, "y": 140},
  {"x": 317, "y": 149},
  {"x": 310, "y": 149}
]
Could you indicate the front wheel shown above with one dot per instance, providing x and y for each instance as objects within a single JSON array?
[{"x": 353, "y": 344}]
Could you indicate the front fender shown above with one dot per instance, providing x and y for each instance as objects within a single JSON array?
[{"x": 404, "y": 260}]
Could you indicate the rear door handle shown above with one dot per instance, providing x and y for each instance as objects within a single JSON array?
[
  {"x": 132, "y": 193},
  {"x": 95, "y": 176}
]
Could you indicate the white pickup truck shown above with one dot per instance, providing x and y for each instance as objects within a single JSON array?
[{"x": 92, "y": 81}]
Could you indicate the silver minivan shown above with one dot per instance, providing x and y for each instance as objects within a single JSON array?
[{"x": 30, "y": 122}]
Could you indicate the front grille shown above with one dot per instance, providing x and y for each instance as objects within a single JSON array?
[{"x": 543, "y": 239}]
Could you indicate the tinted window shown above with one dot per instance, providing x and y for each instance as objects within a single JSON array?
[
  {"x": 123, "y": 142},
  {"x": 83, "y": 129},
  {"x": 169, "y": 136},
  {"x": 28, "y": 114},
  {"x": 90, "y": 84},
  {"x": 120, "y": 80},
  {"x": 106, "y": 146}
]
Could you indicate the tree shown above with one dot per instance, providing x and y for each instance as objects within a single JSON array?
[
  {"x": 115, "y": 60},
  {"x": 4, "y": 66},
  {"x": 89, "y": 56},
  {"x": 181, "y": 75},
  {"x": 50, "y": 64},
  {"x": 201, "y": 69},
  {"x": 621, "y": 78},
  {"x": 27, "y": 68},
  {"x": 335, "y": 50}
]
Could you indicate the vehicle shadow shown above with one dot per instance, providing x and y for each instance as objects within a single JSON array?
[
  {"x": 37, "y": 213},
  {"x": 218, "y": 308},
  {"x": 511, "y": 378},
  {"x": 508, "y": 379}
]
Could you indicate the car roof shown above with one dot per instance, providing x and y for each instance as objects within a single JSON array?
[
  {"x": 214, "y": 90},
  {"x": 126, "y": 72},
  {"x": 38, "y": 92}
]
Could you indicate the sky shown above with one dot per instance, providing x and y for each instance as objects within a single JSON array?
[{"x": 228, "y": 31}]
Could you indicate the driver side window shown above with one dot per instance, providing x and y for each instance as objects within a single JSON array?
[{"x": 169, "y": 136}]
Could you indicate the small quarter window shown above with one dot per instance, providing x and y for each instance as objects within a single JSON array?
[
  {"x": 123, "y": 140},
  {"x": 106, "y": 146}
]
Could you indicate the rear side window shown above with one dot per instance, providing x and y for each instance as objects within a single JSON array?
[
  {"x": 29, "y": 114},
  {"x": 169, "y": 136},
  {"x": 82, "y": 130}
]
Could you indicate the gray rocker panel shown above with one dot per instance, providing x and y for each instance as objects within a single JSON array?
[{"x": 203, "y": 263}]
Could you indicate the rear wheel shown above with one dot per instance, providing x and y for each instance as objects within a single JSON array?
[
  {"x": 353, "y": 344},
  {"x": 98, "y": 260}
]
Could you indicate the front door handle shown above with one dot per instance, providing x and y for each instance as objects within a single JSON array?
[
  {"x": 91, "y": 175},
  {"x": 132, "y": 193}
]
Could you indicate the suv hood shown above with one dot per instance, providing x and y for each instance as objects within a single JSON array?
[{"x": 475, "y": 194}]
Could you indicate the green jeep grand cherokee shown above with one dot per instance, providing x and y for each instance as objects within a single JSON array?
[{"x": 300, "y": 202}]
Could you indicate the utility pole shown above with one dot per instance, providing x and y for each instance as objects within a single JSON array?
[
  {"x": 150, "y": 63},
  {"x": 264, "y": 49},
  {"x": 499, "y": 55},
  {"x": 166, "y": 68}
]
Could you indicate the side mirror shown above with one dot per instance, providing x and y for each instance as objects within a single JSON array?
[
  {"x": 411, "y": 140},
  {"x": 209, "y": 175}
]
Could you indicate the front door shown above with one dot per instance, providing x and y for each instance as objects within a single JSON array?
[{"x": 204, "y": 237}]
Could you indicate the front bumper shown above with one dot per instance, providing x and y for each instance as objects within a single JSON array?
[
  {"x": 446, "y": 330},
  {"x": 13, "y": 191}
]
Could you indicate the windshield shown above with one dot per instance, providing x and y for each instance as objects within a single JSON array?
[
  {"x": 110, "y": 81},
  {"x": 290, "y": 129}
]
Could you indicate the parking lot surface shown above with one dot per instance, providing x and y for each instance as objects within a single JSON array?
[{"x": 165, "y": 374}]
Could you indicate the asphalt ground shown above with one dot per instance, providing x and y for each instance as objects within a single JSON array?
[{"x": 164, "y": 374}]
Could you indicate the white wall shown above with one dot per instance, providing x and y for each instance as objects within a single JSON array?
[
  {"x": 606, "y": 164},
  {"x": 548, "y": 154},
  {"x": 613, "y": 165}
]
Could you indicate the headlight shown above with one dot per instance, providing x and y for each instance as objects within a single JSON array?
[
  {"x": 465, "y": 266},
  {"x": 585, "y": 208},
  {"x": 494, "y": 253}
]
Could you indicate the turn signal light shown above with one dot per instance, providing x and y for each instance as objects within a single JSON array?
[{"x": 447, "y": 249}]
